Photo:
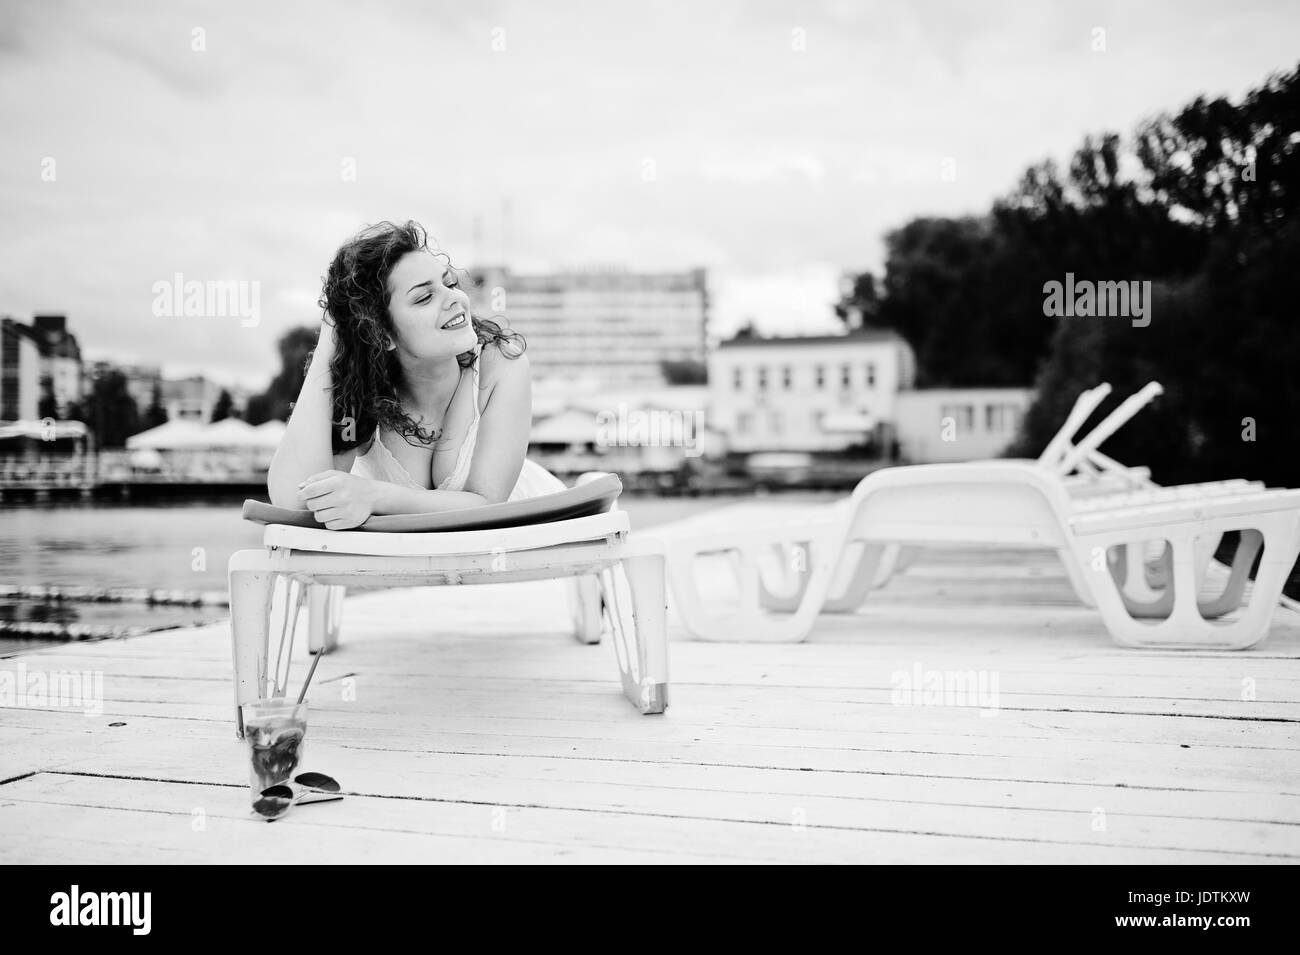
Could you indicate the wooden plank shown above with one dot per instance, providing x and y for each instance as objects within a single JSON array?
[
  {"x": 1260, "y": 824},
  {"x": 410, "y": 731},
  {"x": 93, "y": 815},
  {"x": 468, "y": 702}
]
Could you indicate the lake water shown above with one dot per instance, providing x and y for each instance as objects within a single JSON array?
[{"x": 170, "y": 546}]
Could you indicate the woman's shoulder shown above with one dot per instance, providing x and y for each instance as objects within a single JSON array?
[{"x": 497, "y": 365}]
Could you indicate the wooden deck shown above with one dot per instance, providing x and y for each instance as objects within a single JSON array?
[{"x": 480, "y": 732}]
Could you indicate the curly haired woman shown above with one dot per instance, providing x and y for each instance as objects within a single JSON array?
[{"x": 418, "y": 405}]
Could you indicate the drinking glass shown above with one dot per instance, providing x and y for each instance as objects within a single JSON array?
[{"x": 274, "y": 729}]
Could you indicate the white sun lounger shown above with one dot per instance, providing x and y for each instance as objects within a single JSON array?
[
  {"x": 619, "y": 588},
  {"x": 774, "y": 574},
  {"x": 1008, "y": 504}
]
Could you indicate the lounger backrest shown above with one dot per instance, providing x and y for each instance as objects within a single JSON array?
[{"x": 994, "y": 503}]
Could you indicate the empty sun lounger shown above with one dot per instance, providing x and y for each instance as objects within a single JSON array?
[
  {"x": 577, "y": 533},
  {"x": 1081, "y": 468},
  {"x": 1008, "y": 504},
  {"x": 771, "y": 560}
]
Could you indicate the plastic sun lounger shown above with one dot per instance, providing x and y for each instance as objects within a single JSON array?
[
  {"x": 1008, "y": 504},
  {"x": 577, "y": 533},
  {"x": 768, "y": 560}
]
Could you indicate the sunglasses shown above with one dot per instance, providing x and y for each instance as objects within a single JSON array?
[{"x": 305, "y": 788}]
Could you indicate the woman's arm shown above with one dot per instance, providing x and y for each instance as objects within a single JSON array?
[
  {"x": 340, "y": 500},
  {"x": 506, "y": 424},
  {"x": 306, "y": 447}
]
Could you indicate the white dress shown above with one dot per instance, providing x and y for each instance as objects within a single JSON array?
[{"x": 379, "y": 464}]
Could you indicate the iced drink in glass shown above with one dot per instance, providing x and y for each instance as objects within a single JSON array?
[{"x": 274, "y": 730}]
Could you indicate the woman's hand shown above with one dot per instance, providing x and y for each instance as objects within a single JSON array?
[{"x": 339, "y": 500}]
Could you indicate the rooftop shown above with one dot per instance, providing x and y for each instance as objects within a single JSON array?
[
  {"x": 480, "y": 731},
  {"x": 859, "y": 336}
]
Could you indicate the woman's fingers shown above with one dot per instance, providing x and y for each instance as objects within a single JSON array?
[
  {"x": 314, "y": 489},
  {"x": 321, "y": 501}
]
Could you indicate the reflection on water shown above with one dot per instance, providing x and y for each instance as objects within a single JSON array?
[{"x": 171, "y": 546}]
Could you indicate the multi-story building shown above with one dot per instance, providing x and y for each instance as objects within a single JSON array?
[
  {"x": 20, "y": 371},
  {"x": 601, "y": 326},
  {"x": 38, "y": 360},
  {"x": 817, "y": 393},
  {"x": 61, "y": 359}
]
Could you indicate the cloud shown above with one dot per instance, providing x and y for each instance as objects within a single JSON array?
[{"x": 775, "y": 168}]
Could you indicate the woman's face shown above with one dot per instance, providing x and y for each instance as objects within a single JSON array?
[{"x": 430, "y": 311}]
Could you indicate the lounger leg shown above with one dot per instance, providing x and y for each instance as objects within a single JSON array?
[
  {"x": 251, "y": 584},
  {"x": 324, "y": 617},
  {"x": 1247, "y": 548},
  {"x": 1146, "y": 579},
  {"x": 864, "y": 576},
  {"x": 640, "y": 633},
  {"x": 1129, "y": 573},
  {"x": 905, "y": 557},
  {"x": 584, "y": 607},
  {"x": 1186, "y": 624},
  {"x": 782, "y": 590}
]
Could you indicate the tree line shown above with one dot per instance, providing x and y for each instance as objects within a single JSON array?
[{"x": 1201, "y": 203}]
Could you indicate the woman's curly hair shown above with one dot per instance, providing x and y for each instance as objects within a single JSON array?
[{"x": 365, "y": 372}]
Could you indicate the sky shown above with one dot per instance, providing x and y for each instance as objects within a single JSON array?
[{"x": 773, "y": 143}]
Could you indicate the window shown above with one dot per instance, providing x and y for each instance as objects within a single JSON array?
[
  {"x": 744, "y": 421},
  {"x": 738, "y": 378},
  {"x": 786, "y": 377},
  {"x": 846, "y": 376},
  {"x": 1001, "y": 419},
  {"x": 871, "y": 374},
  {"x": 775, "y": 422},
  {"x": 821, "y": 376},
  {"x": 963, "y": 417},
  {"x": 762, "y": 378}
]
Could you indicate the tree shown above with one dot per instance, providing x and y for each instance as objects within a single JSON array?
[
  {"x": 296, "y": 345},
  {"x": 224, "y": 407},
  {"x": 155, "y": 414},
  {"x": 48, "y": 406},
  {"x": 1212, "y": 216},
  {"x": 109, "y": 411},
  {"x": 859, "y": 307},
  {"x": 955, "y": 289},
  {"x": 686, "y": 371}
]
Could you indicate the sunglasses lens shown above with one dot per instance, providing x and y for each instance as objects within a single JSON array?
[
  {"x": 318, "y": 781},
  {"x": 274, "y": 803}
]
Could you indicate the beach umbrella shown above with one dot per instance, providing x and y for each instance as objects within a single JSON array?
[{"x": 169, "y": 436}]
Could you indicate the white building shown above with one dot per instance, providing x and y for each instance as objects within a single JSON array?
[
  {"x": 937, "y": 425},
  {"x": 189, "y": 399},
  {"x": 20, "y": 372},
  {"x": 36, "y": 360},
  {"x": 603, "y": 327},
  {"x": 813, "y": 393}
]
